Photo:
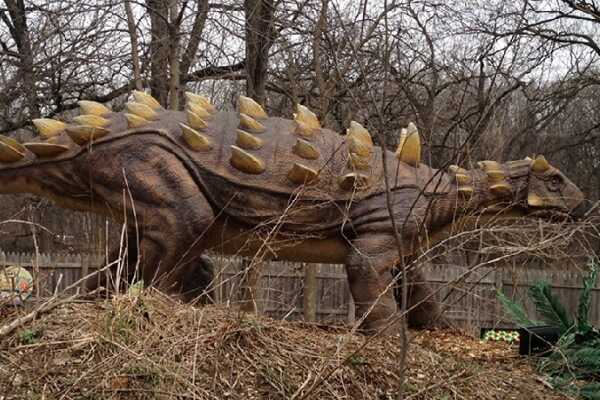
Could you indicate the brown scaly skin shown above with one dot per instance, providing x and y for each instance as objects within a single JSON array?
[{"x": 185, "y": 201}]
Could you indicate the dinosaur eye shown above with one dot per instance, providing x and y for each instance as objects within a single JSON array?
[{"x": 555, "y": 183}]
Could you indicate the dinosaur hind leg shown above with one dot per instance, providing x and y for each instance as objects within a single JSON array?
[{"x": 171, "y": 252}]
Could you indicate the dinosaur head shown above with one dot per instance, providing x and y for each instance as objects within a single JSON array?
[
  {"x": 531, "y": 186},
  {"x": 549, "y": 191}
]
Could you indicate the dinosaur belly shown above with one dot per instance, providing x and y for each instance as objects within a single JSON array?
[{"x": 232, "y": 238}]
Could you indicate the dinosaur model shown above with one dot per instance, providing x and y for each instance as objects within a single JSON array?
[{"x": 245, "y": 183}]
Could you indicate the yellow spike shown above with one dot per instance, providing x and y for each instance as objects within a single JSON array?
[
  {"x": 305, "y": 149},
  {"x": 195, "y": 121},
  {"x": 501, "y": 189},
  {"x": 305, "y": 131},
  {"x": 495, "y": 175},
  {"x": 45, "y": 149},
  {"x": 199, "y": 110},
  {"x": 540, "y": 165},
  {"x": 354, "y": 180},
  {"x": 409, "y": 148},
  {"x": 147, "y": 99},
  {"x": 463, "y": 179},
  {"x": 246, "y": 162},
  {"x": 359, "y": 140},
  {"x": 49, "y": 127},
  {"x": 455, "y": 169},
  {"x": 248, "y": 141},
  {"x": 357, "y": 162},
  {"x": 493, "y": 170},
  {"x": 251, "y": 124},
  {"x": 82, "y": 134},
  {"x": 134, "y": 121},
  {"x": 250, "y": 107},
  {"x": 534, "y": 200},
  {"x": 358, "y": 131},
  {"x": 301, "y": 174},
  {"x": 489, "y": 165},
  {"x": 141, "y": 110},
  {"x": 93, "y": 107},
  {"x": 91, "y": 119},
  {"x": 307, "y": 117},
  {"x": 201, "y": 100},
  {"x": 9, "y": 154},
  {"x": 194, "y": 139},
  {"x": 12, "y": 143},
  {"x": 465, "y": 191}
]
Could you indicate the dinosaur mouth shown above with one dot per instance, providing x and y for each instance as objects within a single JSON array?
[{"x": 551, "y": 214}]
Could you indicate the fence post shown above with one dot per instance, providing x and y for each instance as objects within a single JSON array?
[
  {"x": 310, "y": 293},
  {"x": 499, "y": 286},
  {"x": 84, "y": 262}
]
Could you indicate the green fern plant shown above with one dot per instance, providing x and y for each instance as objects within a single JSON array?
[{"x": 574, "y": 364}]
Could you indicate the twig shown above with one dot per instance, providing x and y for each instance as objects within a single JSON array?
[{"x": 48, "y": 305}]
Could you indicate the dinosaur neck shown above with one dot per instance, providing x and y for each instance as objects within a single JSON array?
[{"x": 471, "y": 203}]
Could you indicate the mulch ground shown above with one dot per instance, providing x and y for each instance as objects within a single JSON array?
[{"x": 151, "y": 347}]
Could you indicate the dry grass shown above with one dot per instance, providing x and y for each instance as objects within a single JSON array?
[{"x": 152, "y": 347}]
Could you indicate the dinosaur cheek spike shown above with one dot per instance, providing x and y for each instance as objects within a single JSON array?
[
  {"x": 301, "y": 174},
  {"x": 142, "y": 110},
  {"x": 533, "y": 200},
  {"x": 8, "y": 154},
  {"x": 540, "y": 165},
  {"x": 133, "y": 121},
  {"x": 195, "y": 121},
  {"x": 90, "y": 119},
  {"x": 409, "y": 148},
  {"x": 147, "y": 99},
  {"x": 93, "y": 107},
  {"x": 48, "y": 127},
  {"x": 354, "y": 180},
  {"x": 199, "y": 111},
  {"x": 248, "y": 141},
  {"x": 246, "y": 162},
  {"x": 194, "y": 139},
  {"x": 305, "y": 149},
  {"x": 307, "y": 117},
  {"x": 251, "y": 108},
  {"x": 46, "y": 149},
  {"x": 501, "y": 189},
  {"x": 194, "y": 98},
  {"x": 249, "y": 123},
  {"x": 83, "y": 134}
]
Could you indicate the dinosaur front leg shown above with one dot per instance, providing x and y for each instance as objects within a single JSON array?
[{"x": 369, "y": 269}]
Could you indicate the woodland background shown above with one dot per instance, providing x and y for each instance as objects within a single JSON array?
[{"x": 482, "y": 79}]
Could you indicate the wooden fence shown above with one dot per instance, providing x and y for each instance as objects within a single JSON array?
[{"x": 469, "y": 297}]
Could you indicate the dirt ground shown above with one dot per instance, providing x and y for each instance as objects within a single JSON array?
[{"x": 151, "y": 347}]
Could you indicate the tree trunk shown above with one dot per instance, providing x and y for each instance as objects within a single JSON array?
[
  {"x": 174, "y": 70},
  {"x": 135, "y": 55},
  {"x": 17, "y": 26},
  {"x": 159, "y": 49},
  {"x": 259, "y": 38}
]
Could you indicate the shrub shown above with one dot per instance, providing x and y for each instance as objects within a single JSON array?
[{"x": 573, "y": 366}]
